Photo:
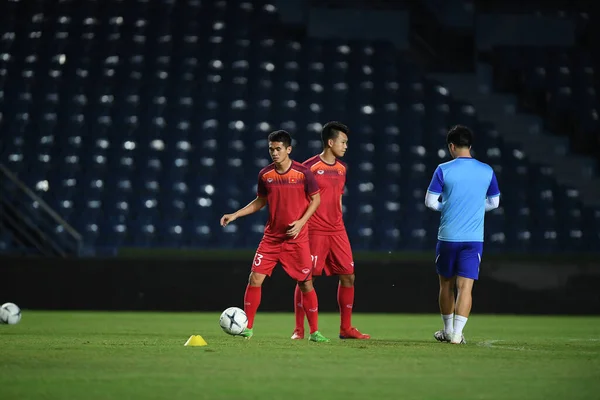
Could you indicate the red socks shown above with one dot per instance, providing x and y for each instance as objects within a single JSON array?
[
  {"x": 345, "y": 297},
  {"x": 345, "y": 302},
  {"x": 251, "y": 303},
  {"x": 309, "y": 304},
  {"x": 311, "y": 308},
  {"x": 298, "y": 309}
]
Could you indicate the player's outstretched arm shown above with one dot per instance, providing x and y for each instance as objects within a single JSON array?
[
  {"x": 492, "y": 203},
  {"x": 255, "y": 205},
  {"x": 296, "y": 226}
]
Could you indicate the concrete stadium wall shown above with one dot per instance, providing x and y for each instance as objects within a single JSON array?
[{"x": 188, "y": 285}]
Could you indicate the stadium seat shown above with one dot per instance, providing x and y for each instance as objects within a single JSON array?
[{"x": 141, "y": 123}]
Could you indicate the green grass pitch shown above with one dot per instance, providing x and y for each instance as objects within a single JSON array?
[{"x": 87, "y": 355}]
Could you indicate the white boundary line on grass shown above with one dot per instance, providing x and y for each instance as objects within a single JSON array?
[{"x": 491, "y": 344}]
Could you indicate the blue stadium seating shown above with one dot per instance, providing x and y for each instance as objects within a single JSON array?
[
  {"x": 560, "y": 84},
  {"x": 142, "y": 122}
]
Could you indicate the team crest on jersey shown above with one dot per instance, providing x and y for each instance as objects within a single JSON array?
[
  {"x": 340, "y": 172},
  {"x": 320, "y": 172},
  {"x": 292, "y": 180},
  {"x": 270, "y": 180}
]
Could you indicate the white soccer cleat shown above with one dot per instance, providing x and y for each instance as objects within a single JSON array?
[
  {"x": 297, "y": 335},
  {"x": 457, "y": 339},
  {"x": 441, "y": 336}
]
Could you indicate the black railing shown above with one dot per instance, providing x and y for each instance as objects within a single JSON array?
[{"x": 33, "y": 226}]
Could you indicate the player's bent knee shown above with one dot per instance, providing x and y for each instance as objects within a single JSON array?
[
  {"x": 256, "y": 279},
  {"x": 464, "y": 284},
  {"x": 305, "y": 286},
  {"x": 347, "y": 280},
  {"x": 447, "y": 283}
]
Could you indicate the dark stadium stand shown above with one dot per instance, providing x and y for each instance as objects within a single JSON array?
[{"x": 142, "y": 122}]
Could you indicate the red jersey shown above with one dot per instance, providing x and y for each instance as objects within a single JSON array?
[
  {"x": 327, "y": 220},
  {"x": 288, "y": 196}
]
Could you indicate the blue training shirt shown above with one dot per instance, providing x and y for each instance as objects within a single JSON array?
[{"x": 464, "y": 183}]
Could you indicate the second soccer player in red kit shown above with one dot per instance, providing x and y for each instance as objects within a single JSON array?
[
  {"x": 329, "y": 243},
  {"x": 292, "y": 194}
]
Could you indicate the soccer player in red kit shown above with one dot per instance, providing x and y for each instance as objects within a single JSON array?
[
  {"x": 329, "y": 243},
  {"x": 292, "y": 193}
]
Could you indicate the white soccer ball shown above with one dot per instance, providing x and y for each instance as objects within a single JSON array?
[
  {"x": 233, "y": 321},
  {"x": 10, "y": 314}
]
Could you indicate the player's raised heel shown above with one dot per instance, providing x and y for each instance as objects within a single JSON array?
[
  {"x": 441, "y": 336},
  {"x": 247, "y": 334},
  {"x": 353, "y": 333},
  {"x": 298, "y": 335},
  {"x": 317, "y": 337}
]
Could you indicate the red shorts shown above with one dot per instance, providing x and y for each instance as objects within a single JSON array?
[
  {"x": 294, "y": 258},
  {"x": 332, "y": 254}
]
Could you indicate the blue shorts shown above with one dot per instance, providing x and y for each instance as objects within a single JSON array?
[{"x": 458, "y": 258}]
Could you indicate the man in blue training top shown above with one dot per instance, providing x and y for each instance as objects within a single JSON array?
[{"x": 463, "y": 190}]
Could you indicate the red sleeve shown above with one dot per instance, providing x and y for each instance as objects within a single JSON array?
[
  {"x": 345, "y": 165},
  {"x": 261, "y": 190},
  {"x": 310, "y": 183},
  {"x": 310, "y": 162}
]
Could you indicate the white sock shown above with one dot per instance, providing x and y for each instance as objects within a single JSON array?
[
  {"x": 459, "y": 324},
  {"x": 448, "y": 320}
]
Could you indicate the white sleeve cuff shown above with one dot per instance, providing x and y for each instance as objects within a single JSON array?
[
  {"x": 492, "y": 203},
  {"x": 432, "y": 201}
]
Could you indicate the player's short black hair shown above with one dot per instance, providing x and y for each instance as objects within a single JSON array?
[
  {"x": 331, "y": 130},
  {"x": 281, "y": 136},
  {"x": 460, "y": 136}
]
